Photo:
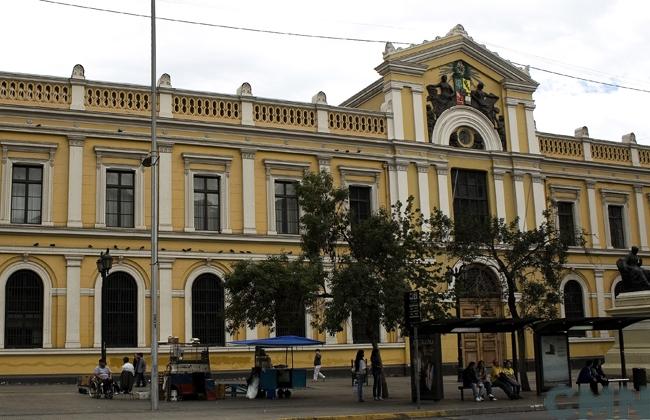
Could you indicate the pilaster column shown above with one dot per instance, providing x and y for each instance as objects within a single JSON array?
[
  {"x": 393, "y": 93},
  {"x": 511, "y": 105},
  {"x": 443, "y": 189},
  {"x": 640, "y": 212},
  {"x": 165, "y": 98},
  {"x": 593, "y": 218},
  {"x": 533, "y": 143},
  {"x": 348, "y": 331},
  {"x": 600, "y": 297},
  {"x": 392, "y": 184},
  {"x": 423, "y": 189},
  {"x": 539, "y": 198},
  {"x": 248, "y": 190},
  {"x": 251, "y": 333},
  {"x": 520, "y": 198},
  {"x": 308, "y": 327},
  {"x": 418, "y": 114},
  {"x": 75, "y": 179},
  {"x": 322, "y": 120},
  {"x": 165, "y": 188},
  {"x": 165, "y": 301},
  {"x": 72, "y": 301},
  {"x": 499, "y": 192},
  {"x": 402, "y": 182}
]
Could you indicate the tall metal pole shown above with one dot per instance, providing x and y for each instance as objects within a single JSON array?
[{"x": 154, "y": 218}]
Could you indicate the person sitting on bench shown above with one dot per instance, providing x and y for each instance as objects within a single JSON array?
[
  {"x": 470, "y": 380},
  {"x": 586, "y": 376},
  {"x": 597, "y": 372},
  {"x": 484, "y": 378},
  {"x": 500, "y": 381}
]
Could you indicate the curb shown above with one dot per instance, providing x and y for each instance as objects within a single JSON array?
[{"x": 429, "y": 413}]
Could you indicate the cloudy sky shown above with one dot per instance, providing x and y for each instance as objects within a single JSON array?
[{"x": 605, "y": 40}]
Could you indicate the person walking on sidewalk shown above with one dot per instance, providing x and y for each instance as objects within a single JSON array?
[
  {"x": 317, "y": 366},
  {"x": 360, "y": 373},
  {"x": 376, "y": 369}
]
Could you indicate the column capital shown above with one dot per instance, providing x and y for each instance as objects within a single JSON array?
[
  {"x": 638, "y": 188},
  {"x": 324, "y": 160},
  {"x": 599, "y": 273},
  {"x": 498, "y": 173},
  {"x": 442, "y": 168},
  {"x": 401, "y": 165},
  {"x": 248, "y": 153},
  {"x": 518, "y": 176},
  {"x": 423, "y": 167},
  {"x": 165, "y": 147},
  {"x": 538, "y": 178},
  {"x": 73, "y": 260},
  {"x": 76, "y": 140},
  {"x": 591, "y": 184}
]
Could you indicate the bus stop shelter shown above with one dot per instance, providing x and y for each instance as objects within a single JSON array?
[
  {"x": 429, "y": 372},
  {"x": 552, "y": 356}
]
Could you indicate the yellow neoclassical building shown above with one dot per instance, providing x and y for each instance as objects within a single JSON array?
[{"x": 447, "y": 121}]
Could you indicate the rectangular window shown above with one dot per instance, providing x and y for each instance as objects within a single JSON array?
[
  {"x": 206, "y": 203},
  {"x": 26, "y": 194},
  {"x": 616, "y": 227},
  {"x": 566, "y": 221},
  {"x": 287, "y": 215},
  {"x": 120, "y": 193},
  {"x": 469, "y": 189},
  {"x": 359, "y": 203}
]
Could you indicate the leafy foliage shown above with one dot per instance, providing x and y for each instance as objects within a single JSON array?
[{"x": 259, "y": 290}]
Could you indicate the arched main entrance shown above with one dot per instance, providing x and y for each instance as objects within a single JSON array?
[
  {"x": 120, "y": 310},
  {"x": 24, "y": 310},
  {"x": 479, "y": 294}
]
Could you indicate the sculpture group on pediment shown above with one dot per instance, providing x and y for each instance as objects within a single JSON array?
[
  {"x": 634, "y": 277},
  {"x": 443, "y": 95}
]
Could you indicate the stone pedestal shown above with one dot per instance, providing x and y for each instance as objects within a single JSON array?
[{"x": 636, "y": 337}]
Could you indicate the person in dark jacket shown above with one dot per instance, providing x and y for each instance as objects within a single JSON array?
[
  {"x": 140, "y": 369},
  {"x": 597, "y": 372},
  {"x": 470, "y": 380},
  {"x": 586, "y": 376},
  {"x": 376, "y": 368}
]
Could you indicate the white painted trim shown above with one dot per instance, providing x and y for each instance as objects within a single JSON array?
[
  {"x": 520, "y": 198},
  {"x": 75, "y": 180},
  {"x": 248, "y": 191},
  {"x": 206, "y": 269},
  {"x": 46, "y": 181},
  {"x": 499, "y": 192},
  {"x": 402, "y": 182},
  {"x": 418, "y": 115},
  {"x": 443, "y": 189},
  {"x": 73, "y": 301},
  {"x": 460, "y": 115},
  {"x": 600, "y": 297},
  {"x": 616, "y": 281},
  {"x": 270, "y": 166},
  {"x": 165, "y": 307},
  {"x": 640, "y": 214},
  {"x": 141, "y": 303},
  {"x": 539, "y": 199},
  {"x": 573, "y": 197},
  {"x": 393, "y": 95},
  {"x": 512, "y": 125},
  {"x": 47, "y": 299},
  {"x": 165, "y": 196},
  {"x": 100, "y": 174},
  {"x": 586, "y": 304},
  {"x": 615, "y": 198},
  {"x": 593, "y": 216},
  {"x": 533, "y": 143},
  {"x": 423, "y": 191}
]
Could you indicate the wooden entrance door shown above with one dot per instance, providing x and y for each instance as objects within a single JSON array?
[{"x": 486, "y": 346}]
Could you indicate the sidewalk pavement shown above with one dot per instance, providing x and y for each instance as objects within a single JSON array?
[{"x": 332, "y": 399}]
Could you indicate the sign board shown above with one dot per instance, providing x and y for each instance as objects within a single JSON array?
[
  {"x": 553, "y": 361},
  {"x": 412, "y": 307}
]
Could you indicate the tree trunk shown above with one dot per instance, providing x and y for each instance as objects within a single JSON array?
[
  {"x": 384, "y": 385},
  {"x": 523, "y": 373}
]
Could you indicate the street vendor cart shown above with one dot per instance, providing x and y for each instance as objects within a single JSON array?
[
  {"x": 188, "y": 373},
  {"x": 277, "y": 380}
]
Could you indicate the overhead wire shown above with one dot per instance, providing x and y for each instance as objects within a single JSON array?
[{"x": 314, "y": 36}]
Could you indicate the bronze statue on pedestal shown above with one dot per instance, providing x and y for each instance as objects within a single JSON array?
[{"x": 634, "y": 277}]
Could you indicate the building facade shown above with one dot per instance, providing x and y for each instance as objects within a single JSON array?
[{"x": 72, "y": 185}]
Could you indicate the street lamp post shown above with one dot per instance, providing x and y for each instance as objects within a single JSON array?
[{"x": 104, "y": 264}]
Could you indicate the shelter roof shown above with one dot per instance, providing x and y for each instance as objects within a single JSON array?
[
  {"x": 282, "y": 341},
  {"x": 473, "y": 325},
  {"x": 592, "y": 323}
]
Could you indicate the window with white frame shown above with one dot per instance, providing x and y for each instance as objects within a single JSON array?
[
  {"x": 283, "y": 212},
  {"x": 120, "y": 188},
  {"x": 206, "y": 202},
  {"x": 566, "y": 200},
  {"x": 26, "y": 191},
  {"x": 574, "y": 304},
  {"x": 26, "y": 194},
  {"x": 207, "y": 198},
  {"x": 363, "y": 187},
  {"x": 615, "y": 212},
  {"x": 287, "y": 215}
]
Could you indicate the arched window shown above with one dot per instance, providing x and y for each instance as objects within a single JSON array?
[
  {"x": 208, "y": 319},
  {"x": 290, "y": 319},
  {"x": 574, "y": 304},
  {"x": 24, "y": 310},
  {"x": 478, "y": 281},
  {"x": 120, "y": 310},
  {"x": 362, "y": 332}
]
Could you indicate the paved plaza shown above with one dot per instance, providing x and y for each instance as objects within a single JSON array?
[{"x": 332, "y": 398}]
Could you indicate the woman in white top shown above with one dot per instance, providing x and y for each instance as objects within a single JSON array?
[
  {"x": 127, "y": 376},
  {"x": 360, "y": 372}
]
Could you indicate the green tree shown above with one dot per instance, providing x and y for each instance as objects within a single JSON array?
[
  {"x": 530, "y": 263},
  {"x": 259, "y": 291}
]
